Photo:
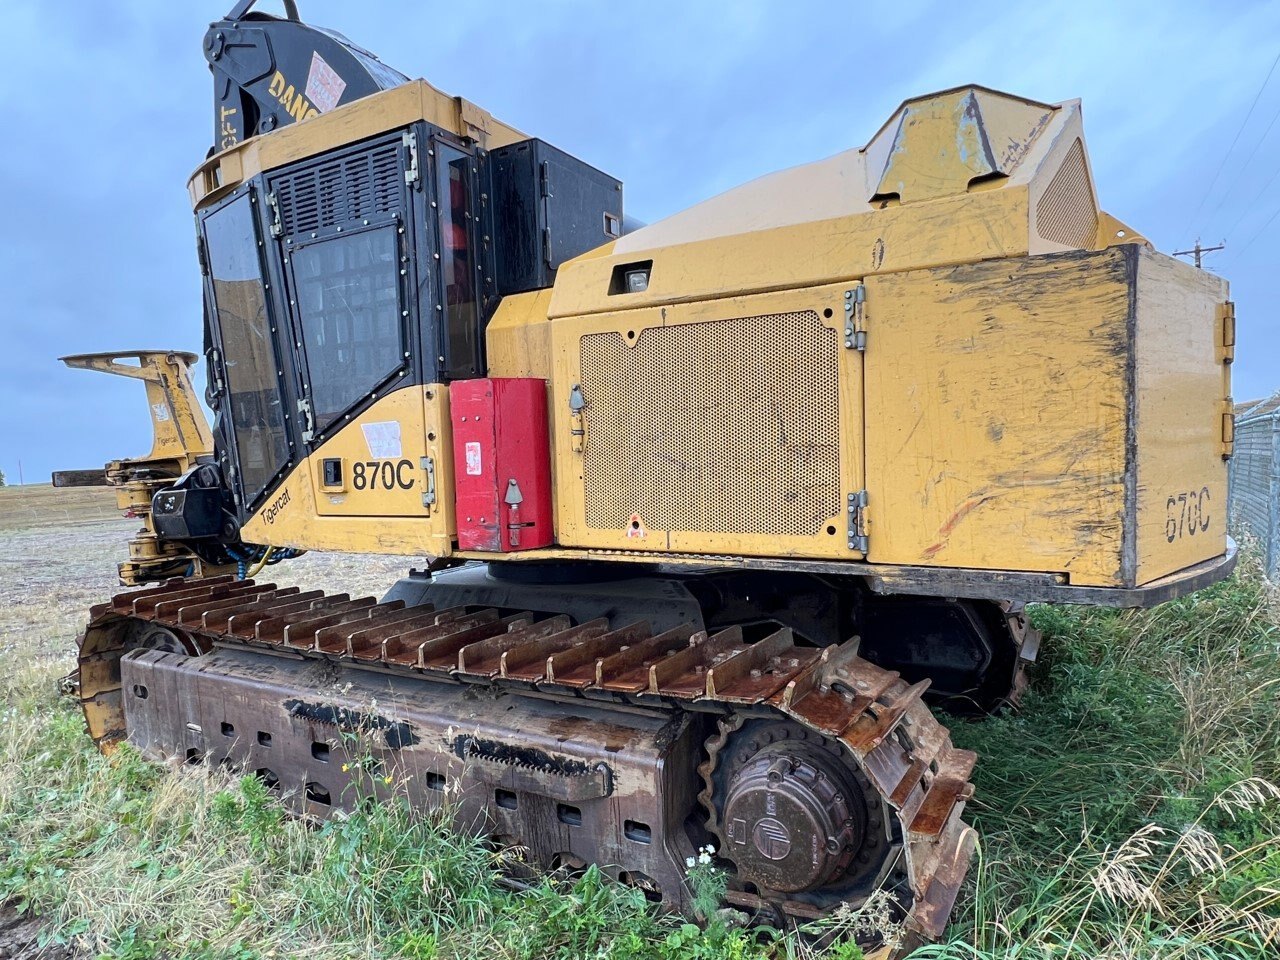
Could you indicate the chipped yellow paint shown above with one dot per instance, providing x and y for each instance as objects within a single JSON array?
[
  {"x": 1022, "y": 412},
  {"x": 951, "y": 230},
  {"x": 996, "y": 397},
  {"x": 936, "y": 146},
  {"x": 379, "y": 461},
  {"x": 836, "y": 218},
  {"x": 1055, "y": 414}
]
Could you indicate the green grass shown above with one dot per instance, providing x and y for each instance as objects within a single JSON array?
[
  {"x": 1129, "y": 809},
  {"x": 1126, "y": 811}
]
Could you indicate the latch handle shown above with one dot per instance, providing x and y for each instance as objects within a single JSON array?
[
  {"x": 577, "y": 423},
  {"x": 429, "y": 496},
  {"x": 309, "y": 425}
]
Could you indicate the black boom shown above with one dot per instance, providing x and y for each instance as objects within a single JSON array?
[{"x": 270, "y": 71}]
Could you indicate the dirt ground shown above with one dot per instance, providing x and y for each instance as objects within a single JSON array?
[
  {"x": 20, "y": 939},
  {"x": 58, "y": 556}
]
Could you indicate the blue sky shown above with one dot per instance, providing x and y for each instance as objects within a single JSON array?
[{"x": 108, "y": 108}]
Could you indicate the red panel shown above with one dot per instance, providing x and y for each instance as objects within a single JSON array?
[{"x": 501, "y": 463}]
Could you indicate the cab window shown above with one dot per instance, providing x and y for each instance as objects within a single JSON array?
[
  {"x": 248, "y": 357},
  {"x": 348, "y": 307},
  {"x": 457, "y": 261}
]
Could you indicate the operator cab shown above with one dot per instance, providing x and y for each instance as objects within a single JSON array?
[{"x": 374, "y": 266}]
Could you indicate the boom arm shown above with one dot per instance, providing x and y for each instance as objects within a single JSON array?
[
  {"x": 270, "y": 71},
  {"x": 181, "y": 446}
]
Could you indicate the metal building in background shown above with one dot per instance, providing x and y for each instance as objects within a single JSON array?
[{"x": 1255, "y": 477}]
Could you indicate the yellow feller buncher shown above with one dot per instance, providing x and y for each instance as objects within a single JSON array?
[{"x": 715, "y": 508}]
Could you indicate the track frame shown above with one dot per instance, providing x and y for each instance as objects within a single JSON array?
[{"x": 236, "y": 631}]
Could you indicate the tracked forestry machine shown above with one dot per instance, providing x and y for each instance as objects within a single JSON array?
[{"x": 714, "y": 509}]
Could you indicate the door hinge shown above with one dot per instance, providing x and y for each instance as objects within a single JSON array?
[
  {"x": 202, "y": 254},
  {"x": 277, "y": 227},
  {"x": 215, "y": 372},
  {"x": 308, "y": 422},
  {"x": 411, "y": 147},
  {"x": 546, "y": 245},
  {"x": 1228, "y": 312},
  {"x": 855, "y": 320},
  {"x": 544, "y": 179},
  {"x": 1228, "y": 428},
  {"x": 429, "y": 467},
  {"x": 858, "y": 539}
]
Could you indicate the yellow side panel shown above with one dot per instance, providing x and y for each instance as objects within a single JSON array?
[
  {"x": 996, "y": 415},
  {"x": 730, "y": 426},
  {"x": 364, "y": 516},
  {"x": 971, "y": 227},
  {"x": 379, "y": 455},
  {"x": 1182, "y": 383},
  {"x": 518, "y": 338}
]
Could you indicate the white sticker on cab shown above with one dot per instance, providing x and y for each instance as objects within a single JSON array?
[
  {"x": 474, "y": 466},
  {"x": 383, "y": 439}
]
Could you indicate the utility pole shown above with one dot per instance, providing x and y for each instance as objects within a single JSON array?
[{"x": 1198, "y": 251}]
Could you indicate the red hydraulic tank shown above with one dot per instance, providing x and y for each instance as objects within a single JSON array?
[{"x": 501, "y": 463}]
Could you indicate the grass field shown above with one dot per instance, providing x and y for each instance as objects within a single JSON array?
[
  {"x": 1128, "y": 811},
  {"x": 43, "y": 505}
]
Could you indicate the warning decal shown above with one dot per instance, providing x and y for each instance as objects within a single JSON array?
[{"x": 324, "y": 86}]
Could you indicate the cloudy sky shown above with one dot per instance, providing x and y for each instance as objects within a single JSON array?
[{"x": 108, "y": 107}]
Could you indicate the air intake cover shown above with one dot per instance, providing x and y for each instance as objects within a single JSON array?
[
  {"x": 365, "y": 183},
  {"x": 728, "y": 426}
]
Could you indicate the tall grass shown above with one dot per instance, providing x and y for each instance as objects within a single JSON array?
[
  {"x": 1130, "y": 810},
  {"x": 1127, "y": 811},
  {"x": 135, "y": 860}
]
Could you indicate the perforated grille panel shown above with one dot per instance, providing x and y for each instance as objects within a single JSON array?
[
  {"x": 338, "y": 191},
  {"x": 1065, "y": 212},
  {"x": 731, "y": 426}
]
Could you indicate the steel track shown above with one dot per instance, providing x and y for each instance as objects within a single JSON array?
[{"x": 878, "y": 719}]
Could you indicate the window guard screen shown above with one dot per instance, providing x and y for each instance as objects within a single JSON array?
[
  {"x": 257, "y": 412},
  {"x": 348, "y": 306}
]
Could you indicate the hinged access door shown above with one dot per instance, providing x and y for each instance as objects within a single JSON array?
[
  {"x": 731, "y": 426},
  {"x": 344, "y": 228}
]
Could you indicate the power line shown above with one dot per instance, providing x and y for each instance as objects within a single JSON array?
[
  {"x": 1245, "y": 166},
  {"x": 1212, "y": 183},
  {"x": 1261, "y": 230},
  {"x": 1248, "y": 209}
]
